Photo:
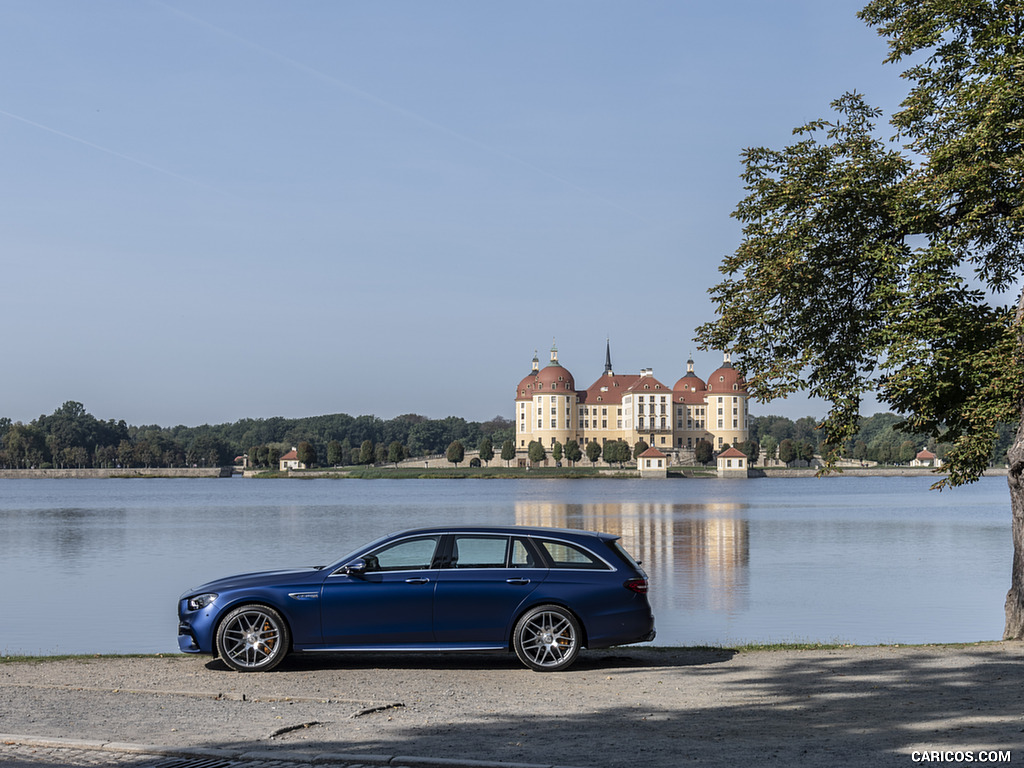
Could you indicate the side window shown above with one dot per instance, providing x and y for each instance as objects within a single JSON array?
[
  {"x": 479, "y": 551},
  {"x": 405, "y": 555},
  {"x": 564, "y": 555},
  {"x": 522, "y": 557}
]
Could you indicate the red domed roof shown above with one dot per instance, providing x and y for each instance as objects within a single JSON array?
[
  {"x": 691, "y": 382},
  {"x": 554, "y": 378},
  {"x": 691, "y": 388},
  {"x": 526, "y": 387},
  {"x": 726, "y": 379}
]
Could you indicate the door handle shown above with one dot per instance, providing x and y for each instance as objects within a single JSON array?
[
  {"x": 517, "y": 581},
  {"x": 417, "y": 581}
]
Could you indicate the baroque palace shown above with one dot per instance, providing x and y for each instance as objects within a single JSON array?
[{"x": 631, "y": 407}]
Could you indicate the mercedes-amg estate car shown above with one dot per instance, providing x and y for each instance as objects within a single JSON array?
[{"x": 543, "y": 593}]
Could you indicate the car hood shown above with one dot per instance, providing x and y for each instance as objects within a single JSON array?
[{"x": 260, "y": 579}]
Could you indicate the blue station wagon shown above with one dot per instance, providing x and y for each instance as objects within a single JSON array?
[{"x": 543, "y": 593}]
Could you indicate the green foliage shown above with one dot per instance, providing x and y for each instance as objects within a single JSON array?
[
  {"x": 366, "y": 452},
  {"x": 854, "y": 269},
  {"x": 617, "y": 452},
  {"x": 508, "y": 451},
  {"x": 335, "y": 454},
  {"x": 486, "y": 449},
  {"x": 397, "y": 452},
  {"x": 535, "y": 451},
  {"x": 703, "y": 452},
  {"x": 573, "y": 452},
  {"x": 306, "y": 453},
  {"x": 456, "y": 452},
  {"x": 751, "y": 450},
  {"x": 556, "y": 451},
  {"x": 593, "y": 451},
  {"x": 640, "y": 447},
  {"x": 787, "y": 452}
]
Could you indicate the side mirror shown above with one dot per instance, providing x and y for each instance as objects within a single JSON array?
[{"x": 356, "y": 568}]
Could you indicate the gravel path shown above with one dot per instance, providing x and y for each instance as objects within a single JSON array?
[{"x": 645, "y": 707}]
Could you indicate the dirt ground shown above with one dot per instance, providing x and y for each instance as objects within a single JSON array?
[{"x": 663, "y": 708}]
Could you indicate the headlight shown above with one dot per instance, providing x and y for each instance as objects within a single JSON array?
[{"x": 198, "y": 602}]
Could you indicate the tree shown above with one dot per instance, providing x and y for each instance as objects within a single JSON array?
[
  {"x": 573, "y": 452},
  {"x": 335, "y": 454},
  {"x": 366, "y": 452},
  {"x": 787, "y": 452},
  {"x": 805, "y": 451},
  {"x": 860, "y": 450},
  {"x": 593, "y": 450},
  {"x": 556, "y": 451},
  {"x": 855, "y": 269},
  {"x": 752, "y": 450},
  {"x": 640, "y": 447},
  {"x": 397, "y": 453},
  {"x": 455, "y": 453},
  {"x": 508, "y": 451},
  {"x": 486, "y": 449},
  {"x": 617, "y": 451},
  {"x": 535, "y": 451},
  {"x": 703, "y": 452},
  {"x": 306, "y": 453}
]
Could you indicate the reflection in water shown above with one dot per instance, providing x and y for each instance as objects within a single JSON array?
[{"x": 697, "y": 555}]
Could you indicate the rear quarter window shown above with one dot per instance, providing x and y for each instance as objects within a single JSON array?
[{"x": 565, "y": 555}]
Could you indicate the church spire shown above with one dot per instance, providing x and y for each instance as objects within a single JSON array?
[{"x": 608, "y": 358}]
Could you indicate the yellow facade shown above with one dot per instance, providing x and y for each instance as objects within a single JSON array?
[{"x": 631, "y": 407}]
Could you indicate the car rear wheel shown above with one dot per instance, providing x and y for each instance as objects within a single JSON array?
[
  {"x": 253, "y": 638},
  {"x": 547, "y": 638}
]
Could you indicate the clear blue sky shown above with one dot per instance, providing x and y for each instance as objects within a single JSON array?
[{"x": 213, "y": 211}]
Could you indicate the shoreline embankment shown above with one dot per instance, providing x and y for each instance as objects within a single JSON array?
[{"x": 214, "y": 472}]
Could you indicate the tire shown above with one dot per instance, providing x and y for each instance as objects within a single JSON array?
[
  {"x": 253, "y": 638},
  {"x": 547, "y": 638}
]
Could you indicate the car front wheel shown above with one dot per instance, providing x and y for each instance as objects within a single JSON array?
[
  {"x": 547, "y": 638},
  {"x": 253, "y": 638}
]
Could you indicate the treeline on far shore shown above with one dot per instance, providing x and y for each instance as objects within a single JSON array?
[{"x": 71, "y": 438}]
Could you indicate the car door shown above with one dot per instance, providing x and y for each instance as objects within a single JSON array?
[
  {"x": 486, "y": 578},
  {"x": 389, "y": 604}
]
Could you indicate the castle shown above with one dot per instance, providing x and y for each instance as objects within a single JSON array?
[{"x": 631, "y": 407}]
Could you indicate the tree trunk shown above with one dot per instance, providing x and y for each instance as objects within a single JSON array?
[
  {"x": 1015, "y": 597},
  {"x": 1015, "y": 478}
]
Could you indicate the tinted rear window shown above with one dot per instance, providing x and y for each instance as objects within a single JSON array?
[{"x": 565, "y": 555}]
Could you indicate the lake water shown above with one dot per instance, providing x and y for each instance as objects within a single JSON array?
[{"x": 96, "y": 566}]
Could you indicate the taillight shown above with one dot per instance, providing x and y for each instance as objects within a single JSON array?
[{"x": 636, "y": 585}]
